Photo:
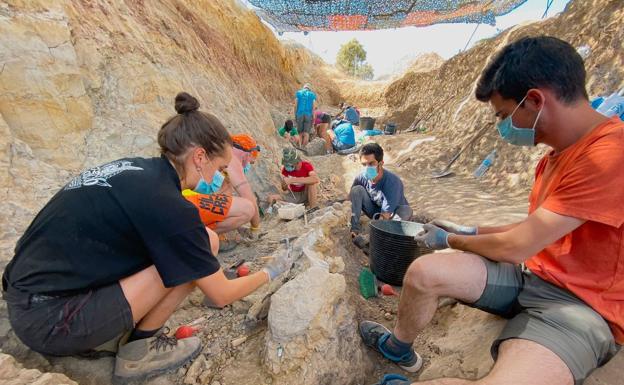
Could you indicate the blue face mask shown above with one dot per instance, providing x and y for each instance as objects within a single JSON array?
[
  {"x": 516, "y": 135},
  {"x": 247, "y": 168},
  {"x": 289, "y": 168},
  {"x": 370, "y": 172},
  {"x": 204, "y": 188}
]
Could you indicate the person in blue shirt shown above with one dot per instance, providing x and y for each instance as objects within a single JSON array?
[
  {"x": 341, "y": 137},
  {"x": 376, "y": 190},
  {"x": 305, "y": 104},
  {"x": 352, "y": 115}
]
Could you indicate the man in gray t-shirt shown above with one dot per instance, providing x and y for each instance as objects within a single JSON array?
[{"x": 376, "y": 190}]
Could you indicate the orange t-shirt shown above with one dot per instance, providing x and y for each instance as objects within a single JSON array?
[{"x": 586, "y": 181}]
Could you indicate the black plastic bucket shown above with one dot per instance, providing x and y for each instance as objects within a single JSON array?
[
  {"x": 392, "y": 249},
  {"x": 367, "y": 123},
  {"x": 390, "y": 128}
]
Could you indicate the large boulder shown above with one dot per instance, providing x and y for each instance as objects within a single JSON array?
[{"x": 311, "y": 330}]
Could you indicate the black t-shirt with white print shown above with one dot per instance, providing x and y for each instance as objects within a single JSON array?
[{"x": 108, "y": 223}]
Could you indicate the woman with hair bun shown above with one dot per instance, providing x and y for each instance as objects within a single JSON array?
[{"x": 109, "y": 258}]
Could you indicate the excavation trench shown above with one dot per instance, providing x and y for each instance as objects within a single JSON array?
[{"x": 241, "y": 346}]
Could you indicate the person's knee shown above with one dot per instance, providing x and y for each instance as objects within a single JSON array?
[
  {"x": 421, "y": 275},
  {"x": 358, "y": 190}
]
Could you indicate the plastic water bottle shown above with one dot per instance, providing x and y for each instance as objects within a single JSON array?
[
  {"x": 487, "y": 162},
  {"x": 612, "y": 105}
]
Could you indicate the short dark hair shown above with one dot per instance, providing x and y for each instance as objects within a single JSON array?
[
  {"x": 372, "y": 148},
  {"x": 288, "y": 125},
  {"x": 534, "y": 62}
]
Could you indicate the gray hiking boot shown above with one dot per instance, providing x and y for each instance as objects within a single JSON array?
[{"x": 142, "y": 359}]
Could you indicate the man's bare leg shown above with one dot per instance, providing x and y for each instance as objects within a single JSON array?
[
  {"x": 240, "y": 213},
  {"x": 321, "y": 129},
  {"x": 312, "y": 191},
  {"x": 304, "y": 139},
  {"x": 328, "y": 137},
  {"x": 457, "y": 275},
  {"x": 520, "y": 362}
]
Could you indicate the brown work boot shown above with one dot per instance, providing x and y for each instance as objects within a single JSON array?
[{"x": 142, "y": 359}]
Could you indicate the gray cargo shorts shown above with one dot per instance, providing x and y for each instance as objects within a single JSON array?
[
  {"x": 297, "y": 197},
  {"x": 69, "y": 325},
  {"x": 304, "y": 124},
  {"x": 548, "y": 315}
]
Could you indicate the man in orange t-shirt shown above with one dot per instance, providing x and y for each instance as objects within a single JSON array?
[{"x": 566, "y": 308}]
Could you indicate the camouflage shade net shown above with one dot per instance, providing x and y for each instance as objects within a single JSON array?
[{"x": 352, "y": 15}]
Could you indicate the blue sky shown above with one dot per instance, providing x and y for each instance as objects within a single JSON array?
[{"x": 389, "y": 50}]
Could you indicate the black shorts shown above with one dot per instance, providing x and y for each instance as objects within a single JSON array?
[
  {"x": 325, "y": 118},
  {"x": 69, "y": 325}
]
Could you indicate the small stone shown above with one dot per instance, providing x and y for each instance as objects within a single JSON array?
[
  {"x": 239, "y": 341},
  {"x": 388, "y": 316},
  {"x": 205, "y": 376}
]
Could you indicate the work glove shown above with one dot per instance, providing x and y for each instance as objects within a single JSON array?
[
  {"x": 454, "y": 227},
  {"x": 433, "y": 237},
  {"x": 280, "y": 263}
]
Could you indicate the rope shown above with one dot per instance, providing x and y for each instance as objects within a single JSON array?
[
  {"x": 471, "y": 36},
  {"x": 549, "y": 4}
]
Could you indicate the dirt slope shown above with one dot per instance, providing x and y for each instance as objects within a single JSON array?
[{"x": 458, "y": 116}]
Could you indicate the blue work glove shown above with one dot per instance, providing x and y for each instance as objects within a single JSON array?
[
  {"x": 433, "y": 237},
  {"x": 280, "y": 263},
  {"x": 454, "y": 227}
]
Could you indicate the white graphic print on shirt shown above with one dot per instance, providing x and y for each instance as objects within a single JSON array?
[{"x": 99, "y": 175}]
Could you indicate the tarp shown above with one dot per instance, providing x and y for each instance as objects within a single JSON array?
[{"x": 351, "y": 15}]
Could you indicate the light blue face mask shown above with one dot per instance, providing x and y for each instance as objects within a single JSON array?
[
  {"x": 204, "y": 188},
  {"x": 289, "y": 168},
  {"x": 247, "y": 168},
  {"x": 516, "y": 135},
  {"x": 370, "y": 172}
]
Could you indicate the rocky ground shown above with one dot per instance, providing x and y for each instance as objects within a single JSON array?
[
  {"x": 241, "y": 343},
  {"x": 83, "y": 82}
]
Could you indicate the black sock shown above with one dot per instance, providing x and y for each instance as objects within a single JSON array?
[{"x": 138, "y": 334}]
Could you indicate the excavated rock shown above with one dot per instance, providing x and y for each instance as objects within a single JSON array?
[
  {"x": 312, "y": 330},
  {"x": 12, "y": 373},
  {"x": 315, "y": 147}
]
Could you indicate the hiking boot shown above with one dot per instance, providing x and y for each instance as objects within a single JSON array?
[
  {"x": 142, "y": 359},
  {"x": 375, "y": 335},
  {"x": 394, "y": 379}
]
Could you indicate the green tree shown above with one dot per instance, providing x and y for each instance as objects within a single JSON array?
[
  {"x": 365, "y": 71},
  {"x": 351, "y": 59}
]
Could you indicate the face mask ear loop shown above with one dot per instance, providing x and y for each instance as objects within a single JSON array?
[
  {"x": 537, "y": 118},
  {"x": 518, "y": 106}
]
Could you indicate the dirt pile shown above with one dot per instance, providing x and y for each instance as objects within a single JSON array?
[
  {"x": 426, "y": 62},
  {"x": 447, "y": 93}
]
